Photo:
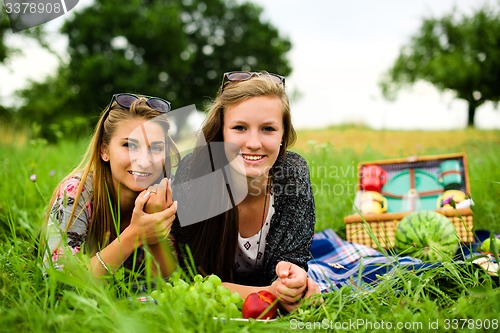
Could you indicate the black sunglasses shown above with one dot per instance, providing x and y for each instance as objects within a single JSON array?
[
  {"x": 125, "y": 100},
  {"x": 243, "y": 76}
]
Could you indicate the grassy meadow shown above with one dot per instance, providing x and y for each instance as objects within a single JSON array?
[{"x": 451, "y": 298}]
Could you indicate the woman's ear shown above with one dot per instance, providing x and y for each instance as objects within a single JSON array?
[{"x": 104, "y": 153}]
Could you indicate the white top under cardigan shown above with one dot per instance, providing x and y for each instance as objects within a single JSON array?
[{"x": 249, "y": 254}]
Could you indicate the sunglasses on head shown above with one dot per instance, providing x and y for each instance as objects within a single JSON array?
[
  {"x": 243, "y": 76},
  {"x": 125, "y": 100}
]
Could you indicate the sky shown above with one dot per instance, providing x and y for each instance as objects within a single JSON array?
[{"x": 340, "y": 50}]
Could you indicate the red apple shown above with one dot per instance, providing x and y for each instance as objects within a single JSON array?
[{"x": 260, "y": 305}]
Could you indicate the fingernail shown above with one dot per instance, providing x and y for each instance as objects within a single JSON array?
[
  {"x": 175, "y": 203},
  {"x": 146, "y": 194}
]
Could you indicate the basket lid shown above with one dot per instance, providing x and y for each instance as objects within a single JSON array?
[{"x": 420, "y": 180}]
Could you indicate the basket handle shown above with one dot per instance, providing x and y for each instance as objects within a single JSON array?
[{"x": 421, "y": 194}]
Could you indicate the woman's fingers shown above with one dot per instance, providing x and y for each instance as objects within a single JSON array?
[
  {"x": 291, "y": 275},
  {"x": 296, "y": 282},
  {"x": 161, "y": 197},
  {"x": 168, "y": 192},
  {"x": 288, "y": 299},
  {"x": 290, "y": 294},
  {"x": 166, "y": 213},
  {"x": 283, "y": 269},
  {"x": 164, "y": 219},
  {"x": 165, "y": 225},
  {"x": 150, "y": 225},
  {"x": 153, "y": 188},
  {"x": 141, "y": 200},
  {"x": 312, "y": 288},
  {"x": 161, "y": 188},
  {"x": 292, "y": 282}
]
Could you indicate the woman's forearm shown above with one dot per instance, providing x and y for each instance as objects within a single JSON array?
[
  {"x": 164, "y": 257},
  {"x": 244, "y": 291},
  {"x": 114, "y": 255}
]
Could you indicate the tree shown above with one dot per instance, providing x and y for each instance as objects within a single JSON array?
[
  {"x": 4, "y": 27},
  {"x": 175, "y": 49},
  {"x": 4, "y": 50},
  {"x": 7, "y": 51},
  {"x": 459, "y": 54}
]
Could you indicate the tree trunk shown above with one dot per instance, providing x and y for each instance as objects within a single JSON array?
[{"x": 471, "y": 113}]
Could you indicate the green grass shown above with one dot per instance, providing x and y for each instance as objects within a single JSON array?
[{"x": 455, "y": 296}]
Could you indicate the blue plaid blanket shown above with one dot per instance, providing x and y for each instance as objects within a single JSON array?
[{"x": 336, "y": 262}]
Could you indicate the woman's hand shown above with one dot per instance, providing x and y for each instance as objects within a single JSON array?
[
  {"x": 312, "y": 288},
  {"x": 160, "y": 198},
  {"x": 151, "y": 228},
  {"x": 292, "y": 285}
]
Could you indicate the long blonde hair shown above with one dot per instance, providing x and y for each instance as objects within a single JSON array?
[{"x": 102, "y": 228}]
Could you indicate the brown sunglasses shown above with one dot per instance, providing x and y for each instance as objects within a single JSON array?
[{"x": 244, "y": 76}]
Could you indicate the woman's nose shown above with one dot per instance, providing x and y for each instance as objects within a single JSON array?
[
  {"x": 144, "y": 158},
  {"x": 253, "y": 140}
]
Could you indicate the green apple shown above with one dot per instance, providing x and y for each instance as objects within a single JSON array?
[{"x": 485, "y": 246}]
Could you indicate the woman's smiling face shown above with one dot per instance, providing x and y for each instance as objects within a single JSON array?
[
  {"x": 136, "y": 154},
  {"x": 255, "y": 126}
]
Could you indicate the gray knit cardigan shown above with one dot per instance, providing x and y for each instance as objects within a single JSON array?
[{"x": 292, "y": 225}]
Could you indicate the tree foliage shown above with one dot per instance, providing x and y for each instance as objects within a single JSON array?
[
  {"x": 4, "y": 27},
  {"x": 8, "y": 51},
  {"x": 456, "y": 53},
  {"x": 175, "y": 49}
]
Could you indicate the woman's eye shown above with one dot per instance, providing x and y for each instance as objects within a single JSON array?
[
  {"x": 239, "y": 128},
  {"x": 268, "y": 129},
  {"x": 130, "y": 145},
  {"x": 156, "y": 148}
]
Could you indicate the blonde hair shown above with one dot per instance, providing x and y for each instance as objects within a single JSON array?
[
  {"x": 233, "y": 93},
  {"x": 102, "y": 228}
]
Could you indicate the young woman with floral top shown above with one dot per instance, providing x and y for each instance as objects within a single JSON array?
[{"x": 118, "y": 201}]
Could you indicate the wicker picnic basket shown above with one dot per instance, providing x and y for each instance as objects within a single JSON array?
[{"x": 383, "y": 225}]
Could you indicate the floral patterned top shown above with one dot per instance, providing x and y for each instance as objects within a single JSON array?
[{"x": 75, "y": 234}]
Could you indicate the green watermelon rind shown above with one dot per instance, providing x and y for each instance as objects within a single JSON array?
[{"x": 427, "y": 235}]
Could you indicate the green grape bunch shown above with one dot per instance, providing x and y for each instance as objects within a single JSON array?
[{"x": 203, "y": 296}]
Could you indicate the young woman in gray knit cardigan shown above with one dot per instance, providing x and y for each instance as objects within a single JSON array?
[{"x": 260, "y": 238}]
